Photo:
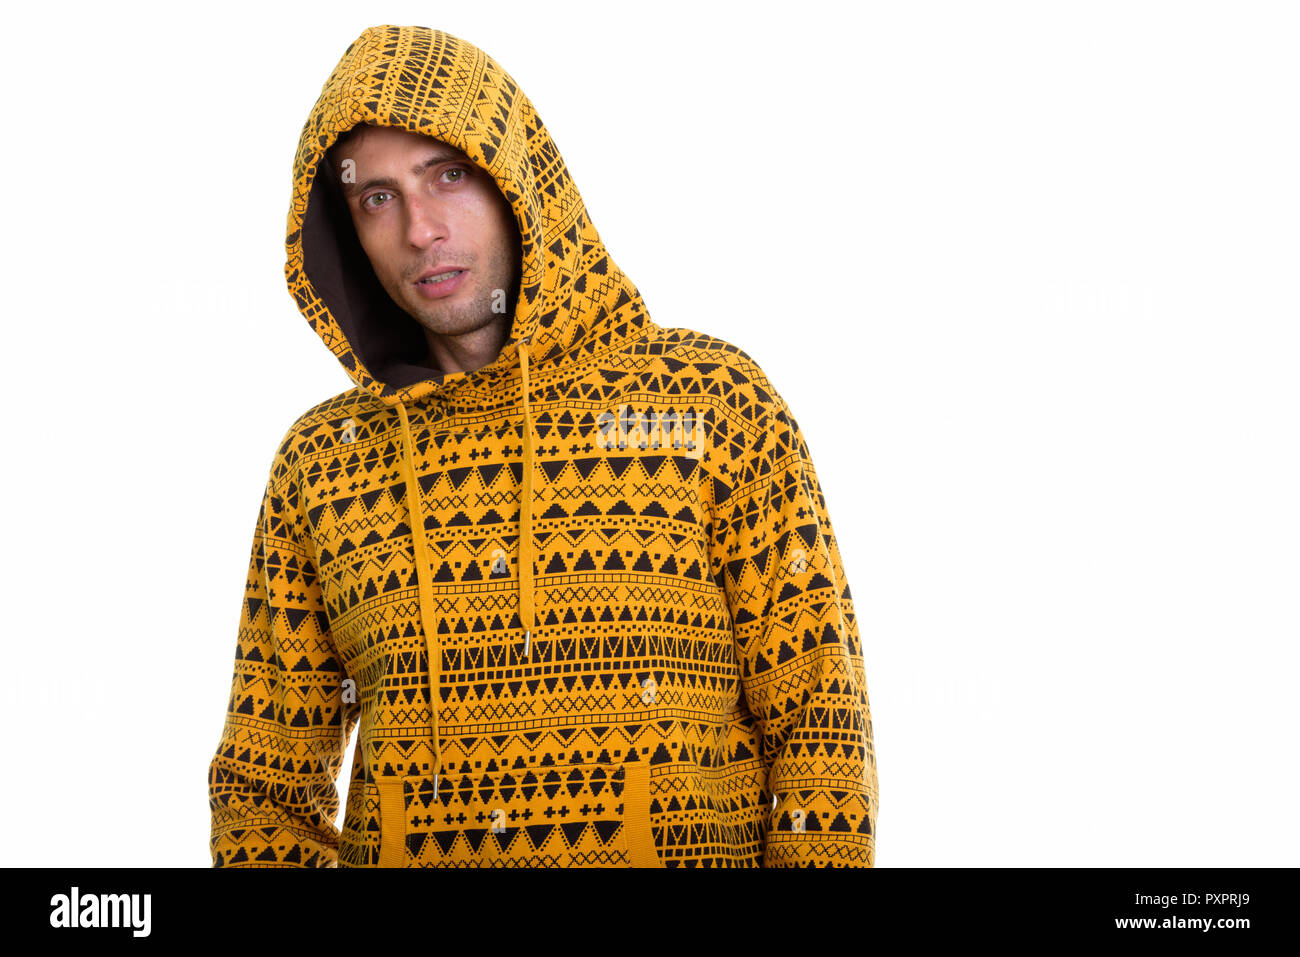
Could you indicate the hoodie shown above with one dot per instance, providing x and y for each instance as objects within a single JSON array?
[{"x": 584, "y": 602}]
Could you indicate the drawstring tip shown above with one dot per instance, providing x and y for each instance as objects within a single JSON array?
[
  {"x": 528, "y": 640},
  {"x": 435, "y": 784}
]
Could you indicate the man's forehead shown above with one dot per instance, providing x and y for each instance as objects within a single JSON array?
[
  {"x": 380, "y": 149},
  {"x": 387, "y": 136}
]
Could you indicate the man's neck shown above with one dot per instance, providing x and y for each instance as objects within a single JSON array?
[{"x": 467, "y": 352}]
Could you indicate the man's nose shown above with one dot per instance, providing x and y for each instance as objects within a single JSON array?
[{"x": 426, "y": 221}]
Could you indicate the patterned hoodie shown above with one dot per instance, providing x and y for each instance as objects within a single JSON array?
[{"x": 585, "y": 601}]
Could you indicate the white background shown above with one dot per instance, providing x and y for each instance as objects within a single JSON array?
[{"x": 1025, "y": 272}]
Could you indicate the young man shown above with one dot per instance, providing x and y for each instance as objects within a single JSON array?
[{"x": 571, "y": 571}]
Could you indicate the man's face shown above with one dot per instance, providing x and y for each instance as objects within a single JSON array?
[{"x": 421, "y": 207}]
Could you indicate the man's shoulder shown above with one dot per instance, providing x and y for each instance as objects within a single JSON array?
[
  {"x": 681, "y": 341},
  {"x": 326, "y": 425},
  {"x": 354, "y": 402},
  {"x": 729, "y": 367}
]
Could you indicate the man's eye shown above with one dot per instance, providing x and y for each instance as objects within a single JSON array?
[
  {"x": 456, "y": 169},
  {"x": 370, "y": 197}
]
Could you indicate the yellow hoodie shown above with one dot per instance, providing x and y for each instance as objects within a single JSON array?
[{"x": 585, "y": 601}]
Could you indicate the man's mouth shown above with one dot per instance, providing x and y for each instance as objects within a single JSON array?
[{"x": 431, "y": 280}]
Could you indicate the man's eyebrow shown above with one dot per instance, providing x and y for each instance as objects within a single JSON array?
[{"x": 441, "y": 156}]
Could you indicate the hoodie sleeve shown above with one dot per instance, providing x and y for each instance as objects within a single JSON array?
[
  {"x": 796, "y": 636},
  {"x": 272, "y": 785}
]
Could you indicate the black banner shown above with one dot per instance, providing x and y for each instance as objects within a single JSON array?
[{"x": 252, "y": 907}]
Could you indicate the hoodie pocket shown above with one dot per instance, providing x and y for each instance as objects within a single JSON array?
[{"x": 573, "y": 815}]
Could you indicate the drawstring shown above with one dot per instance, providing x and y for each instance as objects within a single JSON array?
[
  {"x": 526, "y": 515},
  {"x": 415, "y": 507},
  {"x": 423, "y": 564}
]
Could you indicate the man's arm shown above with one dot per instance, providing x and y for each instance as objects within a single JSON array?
[
  {"x": 272, "y": 783},
  {"x": 796, "y": 638}
]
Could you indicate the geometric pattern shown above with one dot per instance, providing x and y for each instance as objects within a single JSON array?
[{"x": 569, "y": 639}]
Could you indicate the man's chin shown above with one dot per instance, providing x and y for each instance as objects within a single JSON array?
[{"x": 456, "y": 322}]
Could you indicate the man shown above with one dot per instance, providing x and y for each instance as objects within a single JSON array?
[{"x": 571, "y": 571}]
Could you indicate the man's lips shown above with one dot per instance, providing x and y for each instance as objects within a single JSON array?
[
  {"x": 437, "y": 271},
  {"x": 443, "y": 287}
]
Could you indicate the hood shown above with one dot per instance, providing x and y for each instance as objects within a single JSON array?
[
  {"x": 572, "y": 297},
  {"x": 432, "y": 83}
]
